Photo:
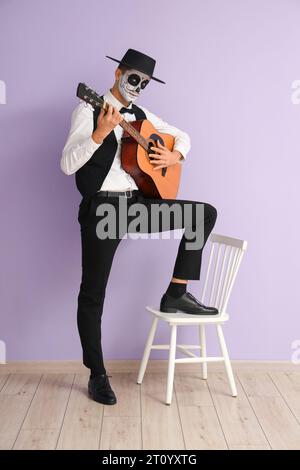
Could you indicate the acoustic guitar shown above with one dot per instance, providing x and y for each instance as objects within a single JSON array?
[{"x": 137, "y": 139}]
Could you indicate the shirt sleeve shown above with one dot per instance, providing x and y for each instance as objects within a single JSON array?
[
  {"x": 182, "y": 140},
  {"x": 79, "y": 146}
]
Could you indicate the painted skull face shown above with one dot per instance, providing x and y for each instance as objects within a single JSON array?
[{"x": 131, "y": 83}]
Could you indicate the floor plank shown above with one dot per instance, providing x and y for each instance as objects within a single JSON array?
[
  {"x": 83, "y": 419},
  {"x": 128, "y": 394},
  {"x": 275, "y": 417},
  {"x": 122, "y": 422},
  {"x": 3, "y": 380},
  {"x": 288, "y": 383},
  {"x": 121, "y": 432},
  {"x": 160, "y": 422},
  {"x": 43, "y": 422},
  {"x": 238, "y": 421},
  {"x": 199, "y": 420},
  {"x": 15, "y": 398}
]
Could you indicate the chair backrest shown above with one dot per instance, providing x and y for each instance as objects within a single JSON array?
[{"x": 223, "y": 264}]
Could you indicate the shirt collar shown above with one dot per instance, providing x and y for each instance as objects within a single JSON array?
[{"x": 111, "y": 99}]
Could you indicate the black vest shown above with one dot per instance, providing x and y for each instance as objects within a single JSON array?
[{"x": 90, "y": 176}]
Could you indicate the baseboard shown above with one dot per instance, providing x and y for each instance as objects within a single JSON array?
[{"x": 132, "y": 366}]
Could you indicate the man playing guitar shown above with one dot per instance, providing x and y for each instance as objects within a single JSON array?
[{"x": 93, "y": 152}]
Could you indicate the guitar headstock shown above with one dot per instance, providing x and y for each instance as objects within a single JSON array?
[{"x": 88, "y": 95}]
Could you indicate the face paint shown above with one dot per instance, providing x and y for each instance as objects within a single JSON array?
[{"x": 131, "y": 83}]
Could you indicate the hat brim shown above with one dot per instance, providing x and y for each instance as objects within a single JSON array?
[{"x": 129, "y": 65}]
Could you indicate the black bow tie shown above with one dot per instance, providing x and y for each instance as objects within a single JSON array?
[{"x": 126, "y": 110}]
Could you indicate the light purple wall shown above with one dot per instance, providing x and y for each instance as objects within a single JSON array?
[{"x": 229, "y": 68}]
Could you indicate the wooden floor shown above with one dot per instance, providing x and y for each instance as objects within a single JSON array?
[{"x": 51, "y": 410}]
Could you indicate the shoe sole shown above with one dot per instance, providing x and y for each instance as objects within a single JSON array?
[
  {"x": 175, "y": 310},
  {"x": 103, "y": 402}
]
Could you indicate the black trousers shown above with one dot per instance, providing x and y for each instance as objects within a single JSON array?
[{"x": 98, "y": 254}]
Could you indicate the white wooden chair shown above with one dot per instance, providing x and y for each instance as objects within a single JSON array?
[{"x": 224, "y": 261}]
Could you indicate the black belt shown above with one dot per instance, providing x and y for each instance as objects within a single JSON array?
[{"x": 128, "y": 193}]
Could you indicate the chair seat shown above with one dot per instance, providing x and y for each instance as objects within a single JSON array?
[{"x": 181, "y": 317}]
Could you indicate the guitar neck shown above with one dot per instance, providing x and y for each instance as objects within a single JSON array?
[
  {"x": 90, "y": 96},
  {"x": 134, "y": 133}
]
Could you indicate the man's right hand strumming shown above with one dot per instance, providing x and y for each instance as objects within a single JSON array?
[{"x": 106, "y": 123}]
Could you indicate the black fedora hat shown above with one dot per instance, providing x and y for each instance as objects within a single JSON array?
[{"x": 139, "y": 61}]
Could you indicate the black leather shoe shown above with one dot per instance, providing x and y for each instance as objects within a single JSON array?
[
  {"x": 186, "y": 303},
  {"x": 100, "y": 390}
]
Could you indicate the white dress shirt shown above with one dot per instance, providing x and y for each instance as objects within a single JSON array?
[{"x": 80, "y": 145}]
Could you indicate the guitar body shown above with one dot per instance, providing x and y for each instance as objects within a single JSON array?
[{"x": 162, "y": 183}]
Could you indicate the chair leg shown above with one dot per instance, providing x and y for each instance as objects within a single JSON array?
[
  {"x": 203, "y": 350},
  {"x": 227, "y": 360},
  {"x": 147, "y": 350},
  {"x": 171, "y": 366}
]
